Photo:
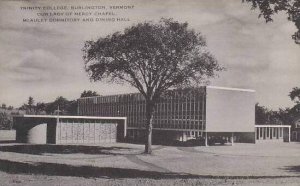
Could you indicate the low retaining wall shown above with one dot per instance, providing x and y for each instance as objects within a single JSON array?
[{"x": 7, "y": 135}]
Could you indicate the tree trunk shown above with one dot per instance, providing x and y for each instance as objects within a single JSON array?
[{"x": 149, "y": 120}]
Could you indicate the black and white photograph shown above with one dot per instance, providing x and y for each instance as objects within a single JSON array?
[{"x": 149, "y": 92}]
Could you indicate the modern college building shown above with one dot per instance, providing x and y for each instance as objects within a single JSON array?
[
  {"x": 183, "y": 114},
  {"x": 207, "y": 113}
]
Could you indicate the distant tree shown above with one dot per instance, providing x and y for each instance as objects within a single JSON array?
[
  {"x": 286, "y": 116},
  {"x": 30, "y": 106},
  {"x": 3, "y": 106},
  {"x": 10, "y": 107},
  {"x": 30, "y": 101},
  {"x": 152, "y": 57},
  {"x": 261, "y": 116},
  {"x": 59, "y": 105},
  {"x": 270, "y": 7},
  {"x": 88, "y": 93},
  {"x": 40, "y": 108},
  {"x": 72, "y": 108},
  {"x": 5, "y": 121},
  {"x": 23, "y": 107},
  {"x": 264, "y": 115},
  {"x": 295, "y": 95},
  {"x": 62, "y": 106}
]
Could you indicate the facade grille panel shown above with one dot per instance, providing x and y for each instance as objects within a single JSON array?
[{"x": 177, "y": 110}]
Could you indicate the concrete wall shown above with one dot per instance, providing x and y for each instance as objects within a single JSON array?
[
  {"x": 79, "y": 132},
  {"x": 7, "y": 135},
  {"x": 47, "y": 129},
  {"x": 245, "y": 137},
  {"x": 230, "y": 110},
  {"x": 31, "y": 130},
  {"x": 37, "y": 134}
]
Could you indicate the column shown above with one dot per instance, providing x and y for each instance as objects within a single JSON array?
[
  {"x": 206, "y": 144},
  {"x": 256, "y": 129},
  {"x": 289, "y": 134},
  {"x": 232, "y": 139}
]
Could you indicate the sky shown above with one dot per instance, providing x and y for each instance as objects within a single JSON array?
[{"x": 44, "y": 59}]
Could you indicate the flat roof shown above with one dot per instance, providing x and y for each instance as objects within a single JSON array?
[
  {"x": 212, "y": 87},
  {"x": 67, "y": 117},
  {"x": 275, "y": 126},
  {"x": 230, "y": 88}
]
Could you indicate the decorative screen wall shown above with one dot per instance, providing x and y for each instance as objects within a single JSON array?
[
  {"x": 177, "y": 110},
  {"x": 77, "y": 131}
]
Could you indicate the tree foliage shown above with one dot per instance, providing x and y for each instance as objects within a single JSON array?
[
  {"x": 88, "y": 93},
  {"x": 152, "y": 57},
  {"x": 5, "y": 121},
  {"x": 3, "y": 106},
  {"x": 62, "y": 106},
  {"x": 30, "y": 101},
  {"x": 270, "y": 7},
  {"x": 40, "y": 107},
  {"x": 286, "y": 116},
  {"x": 264, "y": 115},
  {"x": 65, "y": 107},
  {"x": 29, "y": 107},
  {"x": 295, "y": 95}
]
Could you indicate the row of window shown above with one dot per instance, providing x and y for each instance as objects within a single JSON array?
[
  {"x": 188, "y": 112},
  {"x": 267, "y": 132}
]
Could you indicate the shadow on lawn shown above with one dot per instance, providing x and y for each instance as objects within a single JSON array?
[
  {"x": 7, "y": 141},
  {"x": 295, "y": 169},
  {"x": 62, "y": 149},
  {"x": 53, "y": 169}
]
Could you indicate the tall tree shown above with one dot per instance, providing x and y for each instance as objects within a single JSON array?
[
  {"x": 264, "y": 115},
  {"x": 62, "y": 106},
  {"x": 295, "y": 95},
  {"x": 40, "y": 108},
  {"x": 88, "y": 93},
  {"x": 270, "y": 7},
  {"x": 3, "y": 106},
  {"x": 152, "y": 57},
  {"x": 5, "y": 121},
  {"x": 30, "y": 104},
  {"x": 30, "y": 101},
  {"x": 60, "y": 103}
]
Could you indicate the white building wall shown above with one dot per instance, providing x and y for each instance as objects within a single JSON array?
[{"x": 230, "y": 110}]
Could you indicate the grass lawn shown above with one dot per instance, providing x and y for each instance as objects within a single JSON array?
[{"x": 125, "y": 164}]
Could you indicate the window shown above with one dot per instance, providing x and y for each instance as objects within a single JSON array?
[{"x": 297, "y": 123}]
